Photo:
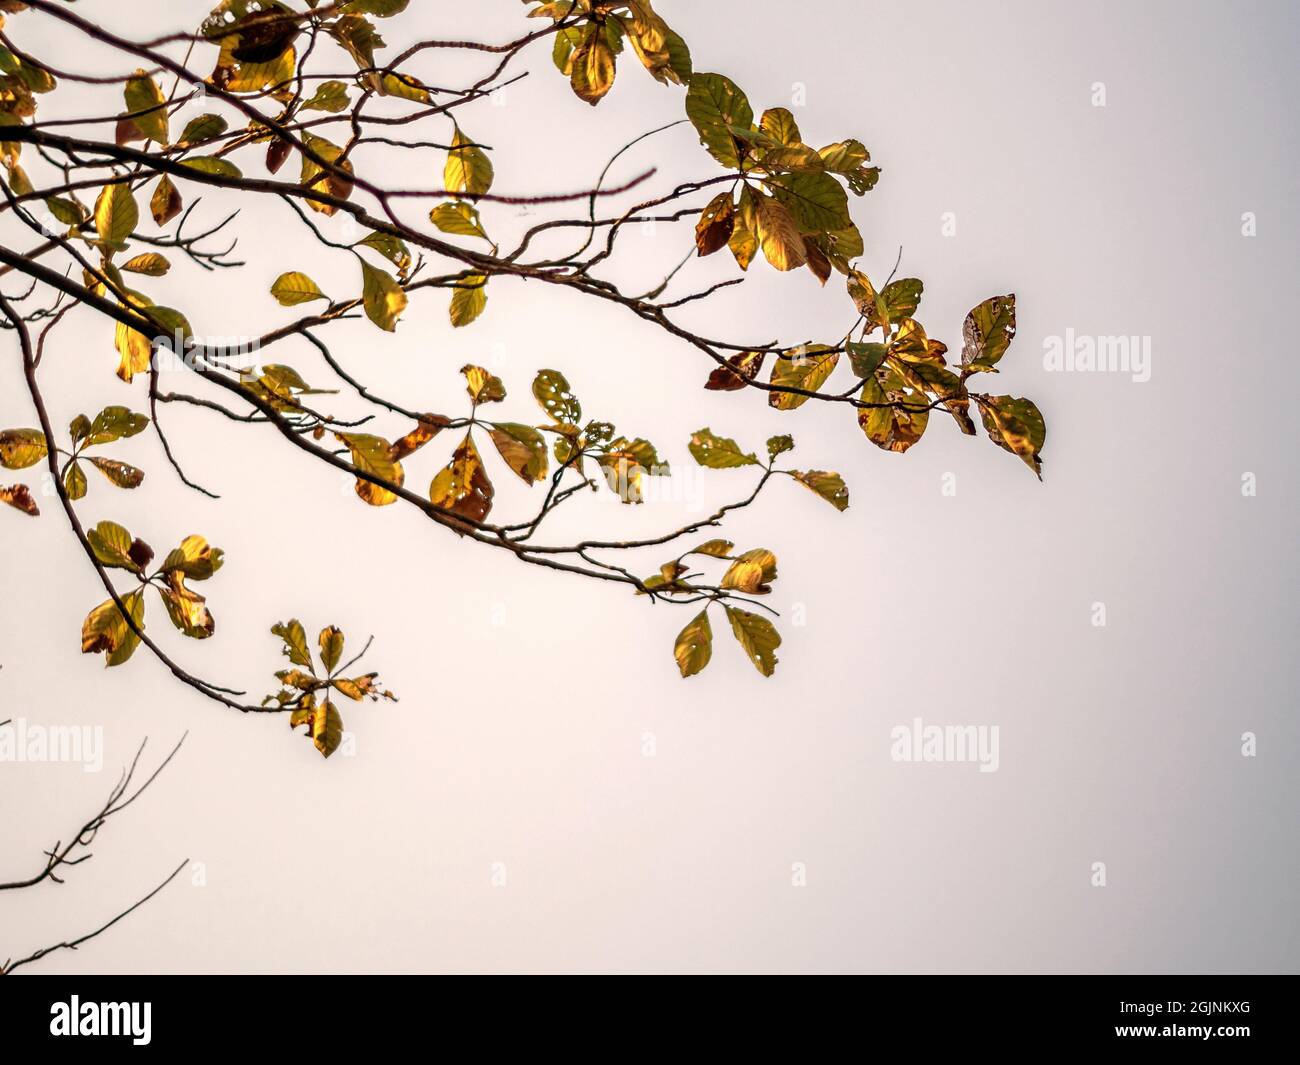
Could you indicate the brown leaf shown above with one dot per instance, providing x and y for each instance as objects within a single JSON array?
[
  {"x": 718, "y": 219},
  {"x": 19, "y": 496},
  {"x": 739, "y": 369}
]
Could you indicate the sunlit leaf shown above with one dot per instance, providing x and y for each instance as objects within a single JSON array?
[
  {"x": 106, "y": 629},
  {"x": 718, "y": 219},
  {"x": 757, "y": 636},
  {"x": 987, "y": 333},
  {"x": 382, "y": 297},
  {"x": 551, "y": 389},
  {"x": 187, "y": 609},
  {"x": 195, "y": 558},
  {"x": 463, "y": 487},
  {"x": 805, "y": 367},
  {"x": 147, "y": 106},
  {"x": 523, "y": 449},
  {"x": 331, "y": 647},
  {"x": 116, "y": 214},
  {"x": 739, "y": 370},
  {"x": 293, "y": 288},
  {"x": 718, "y": 452},
  {"x": 119, "y": 473},
  {"x": 1016, "y": 425},
  {"x": 468, "y": 299},
  {"x": 373, "y": 455},
  {"x": 714, "y": 104},
  {"x": 694, "y": 646},
  {"x": 752, "y": 572},
  {"x": 295, "y": 641},
  {"x": 830, "y": 486},
  {"x": 468, "y": 169},
  {"x": 20, "y": 448}
]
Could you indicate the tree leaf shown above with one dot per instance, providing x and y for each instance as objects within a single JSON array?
[
  {"x": 382, "y": 297},
  {"x": 74, "y": 481},
  {"x": 739, "y": 370},
  {"x": 718, "y": 452},
  {"x": 330, "y": 96},
  {"x": 195, "y": 558},
  {"x": 779, "y": 445},
  {"x": 293, "y": 288},
  {"x": 717, "y": 220},
  {"x": 106, "y": 629},
  {"x": 987, "y": 332},
  {"x": 757, "y": 636},
  {"x": 203, "y": 129},
  {"x": 463, "y": 487},
  {"x": 468, "y": 299},
  {"x": 166, "y": 202},
  {"x": 120, "y": 473},
  {"x": 19, "y": 496},
  {"x": 468, "y": 169},
  {"x": 150, "y": 263},
  {"x": 888, "y": 425},
  {"x": 523, "y": 449},
  {"x": 1015, "y": 425},
  {"x": 714, "y": 104},
  {"x": 752, "y": 572},
  {"x": 187, "y": 609},
  {"x": 805, "y": 367},
  {"x": 373, "y": 455},
  {"x": 902, "y": 297},
  {"x": 116, "y": 214},
  {"x": 459, "y": 218},
  {"x": 714, "y": 548},
  {"x": 591, "y": 71},
  {"x": 112, "y": 546},
  {"x": 295, "y": 641},
  {"x": 694, "y": 646},
  {"x": 331, "y": 647},
  {"x": 816, "y": 201},
  {"x": 830, "y": 486},
  {"x": 147, "y": 107},
  {"x": 391, "y": 247},
  {"x": 324, "y": 724},
  {"x": 20, "y": 448},
  {"x": 779, "y": 236},
  {"x": 553, "y": 395}
]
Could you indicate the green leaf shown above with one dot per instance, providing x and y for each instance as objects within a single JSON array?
[
  {"x": 293, "y": 288},
  {"x": 105, "y": 629},
  {"x": 74, "y": 481},
  {"x": 391, "y": 247},
  {"x": 111, "y": 544},
  {"x": 203, "y": 129},
  {"x": 714, "y": 104},
  {"x": 757, "y": 636},
  {"x": 902, "y": 297},
  {"x": 817, "y": 201},
  {"x": 114, "y": 423},
  {"x": 718, "y": 452},
  {"x": 210, "y": 164},
  {"x": 866, "y": 358},
  {"x": 553, "y": 395},
  {"x": 830, "y": 486},
  {"x": 987, "y": 333},
  {"x": 694, "y": 646},
  {"x": 331, "y": 96},
  {"x": 779, "y": 445}
]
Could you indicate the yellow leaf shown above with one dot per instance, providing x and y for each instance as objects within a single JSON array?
[
  {"x": 468, "y": 169},
  {"x": 373, "y": 455},
  {"x": 779, "y": 235},
  {"x": 805, "y": 367},
  {"x": 105, "y": 629},
  {"x": 331, "y": 647},
  {"x": 116, "y": 214},
  {"x": 757, "y": 636},
  {"x": 694, "y": 646},
  {"x": 294, "y": 288},
  {"x": 592, "y": 72},
  {"x": 523, "y": 449},
  {"x": 752, "y": 572},
  {"x": 382, "y": 297},
  {"x": 463, "y": 487},
  {"x": 468, "y": 299}
]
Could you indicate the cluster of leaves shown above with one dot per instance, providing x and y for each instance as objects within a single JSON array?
[
  {"x": 21, "y": 448},
  {"x": 463, "y": 488},
  {"x": 591, "y": 38},
  {"x": 106, "y": 628},
  {"x": 307, "y": 692}
]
